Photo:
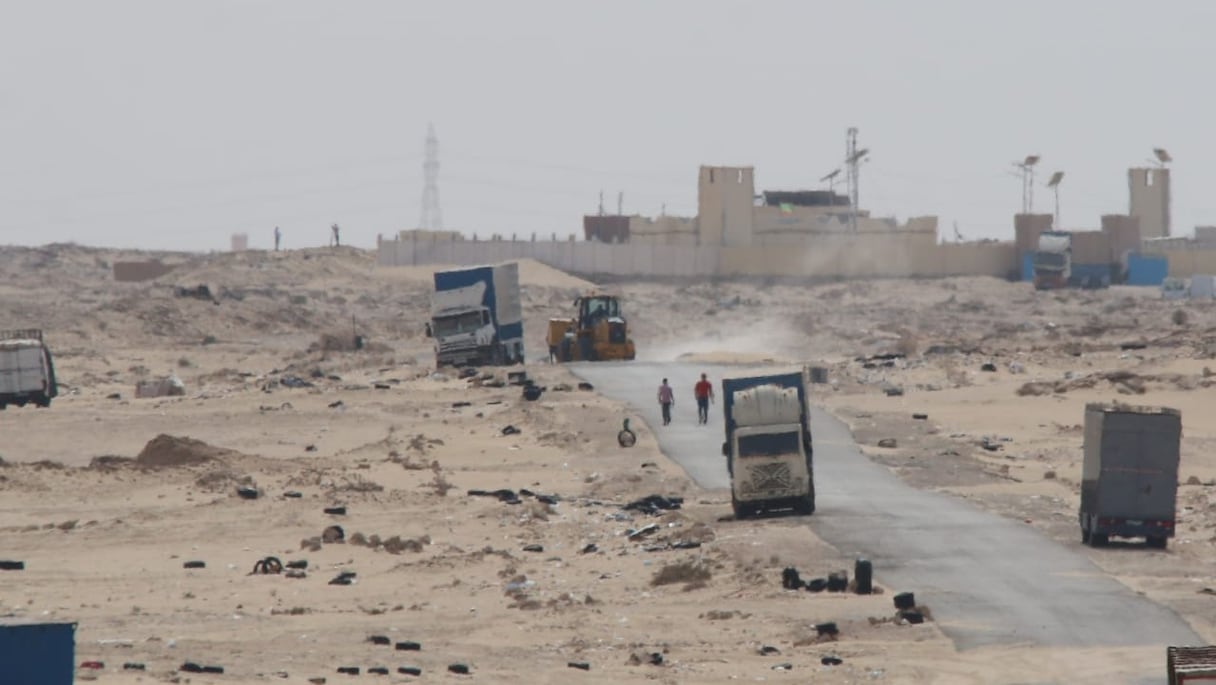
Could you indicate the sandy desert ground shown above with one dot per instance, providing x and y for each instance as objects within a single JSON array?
[{"x": 106, "y": 497}]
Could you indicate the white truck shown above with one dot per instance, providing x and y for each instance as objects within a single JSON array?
[
  {"x": 477, "y": 317},
  {"x": 27, "y": 371},
  {"x": 768, "y": 444}
]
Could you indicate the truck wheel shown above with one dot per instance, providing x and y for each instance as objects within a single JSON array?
[
  {"x": 1156, "y": 541},
  {"x": 805, "y": 505},
  {"x": 1098, "y": 539},
  {"x": 1084, "y": 537},
  {"x": 741, "y": 510}
]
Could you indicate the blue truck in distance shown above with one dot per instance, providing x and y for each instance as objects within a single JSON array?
[
  {"x": 768, "y": 449},
  {"x": 476, "y": 316}
]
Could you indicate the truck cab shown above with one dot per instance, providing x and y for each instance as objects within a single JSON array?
[
  {"x": 768, "y": 446},
  {"x": 1052, "y": 261},
  {"x": 461, "y": 334}
]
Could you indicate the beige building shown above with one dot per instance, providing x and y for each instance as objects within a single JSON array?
[{"x": 1150, "y": 201}]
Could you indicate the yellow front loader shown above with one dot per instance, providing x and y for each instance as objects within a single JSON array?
[{"x": 598, "y": 333}]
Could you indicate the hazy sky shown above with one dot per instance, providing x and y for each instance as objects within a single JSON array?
[{"x": 175, "y": 124}]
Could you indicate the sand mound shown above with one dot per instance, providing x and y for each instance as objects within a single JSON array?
[{"x": 170, "y": 450}]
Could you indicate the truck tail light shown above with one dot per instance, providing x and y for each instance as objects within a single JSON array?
[
  {"x": 1104, "y": 521},
  {"x": 1163, "y": 524}
]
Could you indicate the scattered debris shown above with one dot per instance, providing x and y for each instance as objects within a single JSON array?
[
  {"x": 133, "y": 666},
  {"x": 408, "y": 646},
  {"x": 988, "y": 367},
  {"x": 532, "y": 392},
  {"x": 838, "y": 581},
  {"x": 297, "y": 564},
  {"x": 409, "y": 670},
  {"x": 920, "y": 417},
  {"x": 790, "y": 579},
  {"x": 585, "y": 386},
  {"x": 831, "y": 661},
  {"x": 893, "y": 391},
  {"x": 195, "y": 564},
  {"x": 344, "y": 578},
  {"x": 379, "y": 640},
  {"x": 580, "y": 665},
  {"x": 653, "y": 504},
  {"x": 817, "y": 585},
  {"x": 348, "y": 670},
  {"x": 247, "y": 493},
  {"x": 863, "y": 577},
  {"x": 626, "y": 437},
  {"x": 590, "y": 549},
  {"x": 337, "y": 404},
  {"x": 889, "y": 443},
  {"x": 905, "y": 600},
  {"x": 828, "y": 629},
  {"x": 510, "y": 430},
  {"x": 333, "y": 534},
  {"x": 12, "y": 565},
  {"x": 459, "y": 669},
  {"x": 268, "y": 566},
  {"x": 335, "y": 511},
  {"x": 517, "y": 377},
  {"x": 533, "y": 548},
  {"x": 295, "y": 382},
  {"x": 767, "y": 650}
]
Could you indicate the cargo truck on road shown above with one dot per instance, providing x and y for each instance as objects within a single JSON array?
[
  {"x": 768, "y": 449},
  {"x": 1129, "y": 478},
  {"x": 476, "y": 316}
]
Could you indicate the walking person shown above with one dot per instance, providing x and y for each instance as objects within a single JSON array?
[
  {"x": 704, "y": 392},
  {"x": 666, "y": 399},
  {"x": 278, "y": 237}
]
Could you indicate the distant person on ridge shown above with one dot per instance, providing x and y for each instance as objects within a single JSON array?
[
  {"x": 666, "y": 399},
  {"x": 278, "y": 237},
  {"x": 337, "y": 237},
  {"x": 704, "y": 392}
]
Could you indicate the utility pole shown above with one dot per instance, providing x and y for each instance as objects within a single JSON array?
[
  {"x": 432, "y": 217},
  {"x": 852, "y": 161}
]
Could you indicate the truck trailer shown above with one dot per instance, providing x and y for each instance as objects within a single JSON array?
[
  {"x": 476, "y": 316},
  {"x": 1129, "y": 478},
  {"x": 27, "y": 371},
  {"x": 768, "y": 449}
]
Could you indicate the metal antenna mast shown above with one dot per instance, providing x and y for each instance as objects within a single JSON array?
[{"x": 432, "y": 217}]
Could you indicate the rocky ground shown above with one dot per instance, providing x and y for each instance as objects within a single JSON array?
[{"x": 106, "y": 497}]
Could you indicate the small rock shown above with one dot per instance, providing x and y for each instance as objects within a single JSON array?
[
  {"x": 533, "y": 548},
  {"x": 409, "y": 670},
  {"x": 580, "y": 665},
  {"x": 333, "y": 534},
  {"x": 1194, "y": 480},
  {"x": 461, "y": 669},
  {"x": 920, "y": 417},
  {"x": 1051, "y": 475},
  {"x": 335, "y": 511},
  {"x": 831, "y": 661},
  {"x": 377, "y": 670},
  {"x": 769, "y": 649},
  {"x": 408, "y": 646},
  {"x": 379, "y": 640},
  {"x": 195, "y": 564},
  {"x": 348, "y": 670},
  {"x": 889, "y": 443},
  {"x": 293, "y": 494},
  {"x": 12, "y": 565},
  {"x": 510, "y": 430},
  {"x": 989, "y": 367},
  {"x": 827, "y": 628}
]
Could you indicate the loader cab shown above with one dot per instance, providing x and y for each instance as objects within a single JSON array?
[{"x": 595, "y": 308}]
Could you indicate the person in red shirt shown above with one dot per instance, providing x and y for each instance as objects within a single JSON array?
[{"x": 704, "y": 392}]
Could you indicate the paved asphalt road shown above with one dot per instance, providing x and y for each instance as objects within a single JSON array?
[{"x": 989, "y": 580}]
